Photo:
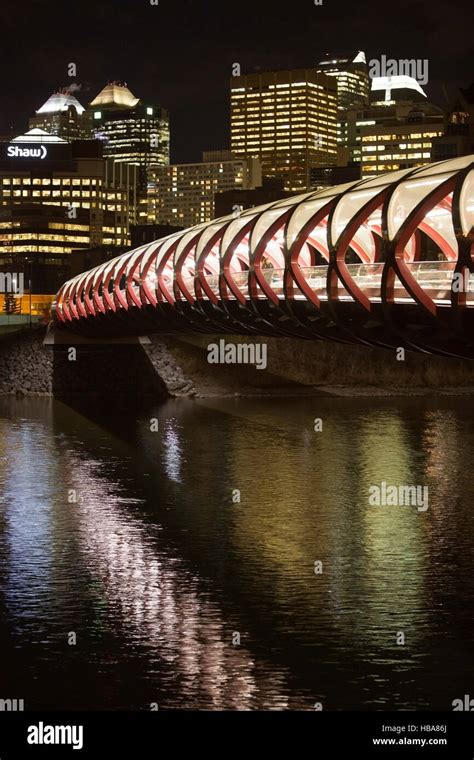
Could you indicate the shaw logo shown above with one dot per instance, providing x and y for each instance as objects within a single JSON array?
[
  {"x": 14, "y": 151},
  {"x": 42, "y": 734}
]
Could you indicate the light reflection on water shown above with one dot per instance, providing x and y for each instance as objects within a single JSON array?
[{"x": 131, "y": 539}]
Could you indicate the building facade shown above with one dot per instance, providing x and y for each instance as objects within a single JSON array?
[
  {"x": 352, "y": 77},
  {"x": 132, "y": 131},
  {"x": 62, "y": 115},
  {"x": 396, "y": 102},
  {"x": 183, "y": 194},
  {"x": 397, "y": 141},
  {"x": 55, "y": 197},
  {"x": 353, "y": 85},
  {"x": 287, "y": 119}
]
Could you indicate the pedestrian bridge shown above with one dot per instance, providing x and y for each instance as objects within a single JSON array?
[{"x": 386, "y": 261}]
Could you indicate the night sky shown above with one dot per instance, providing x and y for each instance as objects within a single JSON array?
[{"x": 179, "y": 54}]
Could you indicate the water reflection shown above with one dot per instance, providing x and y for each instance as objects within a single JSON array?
[
  {"x": 172, "y": 450},
  {"x": 157, "y": 568},
  {"x": 161, "y": 604}
]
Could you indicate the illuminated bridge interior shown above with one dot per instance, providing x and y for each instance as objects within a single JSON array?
[{"x": 386, "y": 261}]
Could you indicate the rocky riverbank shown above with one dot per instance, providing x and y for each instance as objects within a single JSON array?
[
  {"x": 26, "y": 366},
  {"x": 177, "y": 382}
]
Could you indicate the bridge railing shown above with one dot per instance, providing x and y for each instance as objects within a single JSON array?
[
  {"x": 435, "y": 277},
  {"x": 241, "y": 279}
]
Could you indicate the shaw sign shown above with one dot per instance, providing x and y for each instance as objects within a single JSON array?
[{"x": 14, "y": 151}]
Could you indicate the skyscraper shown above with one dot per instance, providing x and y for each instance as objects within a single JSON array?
[
  {"x": 133, "y": 132},
  {"x": 288, "y": 119},
  {"x": 352, "y": 76},
  {"x": 62, "y": 115}
]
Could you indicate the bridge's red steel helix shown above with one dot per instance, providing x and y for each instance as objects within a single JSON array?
[{"x": 385, "y": 261}]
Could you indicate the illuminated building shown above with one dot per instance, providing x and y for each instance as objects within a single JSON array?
[
  {"x": 183, "y": 194},
  {"x": 352, "y": 78},
  {"x": 55, "y": 197},
  {"x": 132, "y": 132},
  {"x": 390, "y": 90},
  {"x": 288, "y": 119},
  {"x": 397, "y": 141},
  {"x": 62, "y": 115},
  {"x": 397, "y": 129}
]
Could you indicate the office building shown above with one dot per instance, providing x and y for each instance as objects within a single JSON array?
[
  {"x": 395, "y": 131},
  {"x": 385, "y": 138},
  {"x": 287, "y": 119},
  {"x": 391, "y": 98},
  {"x": 55, "y": 197},
  {"x": 352, "y": 77},
  {"x": 132, "y": 131},
  {"x": 183, "y": 194},
  {"x": 62, "y": 115}
]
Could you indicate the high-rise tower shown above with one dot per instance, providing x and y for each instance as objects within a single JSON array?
[
  {"x": 133, "y": 132},
  {"x": 352, "y": 77},
  {"x": 287, "y": 119},
  {"x": 62, "y": 115}
]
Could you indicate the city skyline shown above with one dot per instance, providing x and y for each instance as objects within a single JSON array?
[
  {"x": 184, "y": 60},
  {"x": 236, "y": 374}
]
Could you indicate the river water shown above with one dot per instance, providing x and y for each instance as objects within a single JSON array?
[{"x": 223, "y": 554}]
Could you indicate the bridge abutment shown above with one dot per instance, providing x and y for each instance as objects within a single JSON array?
[{"x": 135, "y": 370}]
